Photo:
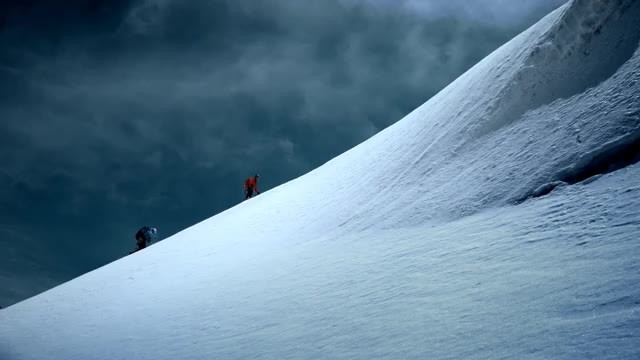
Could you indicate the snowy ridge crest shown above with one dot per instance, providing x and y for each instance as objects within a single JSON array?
[
  {"x": 585, "y": 46},
  {"x": 522, "y": 118}
]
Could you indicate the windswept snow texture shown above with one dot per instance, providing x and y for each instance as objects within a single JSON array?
[{"x": 500, "y": 220}]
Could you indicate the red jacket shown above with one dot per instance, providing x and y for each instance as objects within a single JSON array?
[{"x": 251, "y": 183}]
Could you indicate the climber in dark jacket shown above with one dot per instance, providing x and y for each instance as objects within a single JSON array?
[{"x": 144, "y": 236}]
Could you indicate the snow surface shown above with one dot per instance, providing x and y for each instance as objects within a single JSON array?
[{"x": 472, "y": 228}]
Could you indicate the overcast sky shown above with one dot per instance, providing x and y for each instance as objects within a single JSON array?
[{"x": 115, "y": 114}]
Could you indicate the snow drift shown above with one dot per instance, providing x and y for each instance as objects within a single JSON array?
[{"x": 497, "y": 220}]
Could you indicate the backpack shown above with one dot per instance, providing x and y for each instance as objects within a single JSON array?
[{"x": 147, "y": 233}]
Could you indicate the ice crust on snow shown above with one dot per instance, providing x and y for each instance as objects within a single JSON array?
[{"x": 445, "y": 236}]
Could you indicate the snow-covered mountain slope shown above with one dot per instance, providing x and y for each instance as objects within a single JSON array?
[{"x": 475, "y": 227}]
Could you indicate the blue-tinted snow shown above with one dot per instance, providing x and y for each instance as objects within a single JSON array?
[{"x": 422, "y": 242}]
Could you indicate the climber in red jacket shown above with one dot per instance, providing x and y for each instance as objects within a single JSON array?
[{"x": 251, "y": 185}]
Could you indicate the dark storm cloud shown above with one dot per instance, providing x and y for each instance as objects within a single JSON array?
[
  {"x": 120, "y": 113},
  {"x": 494, "y": 12}
]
